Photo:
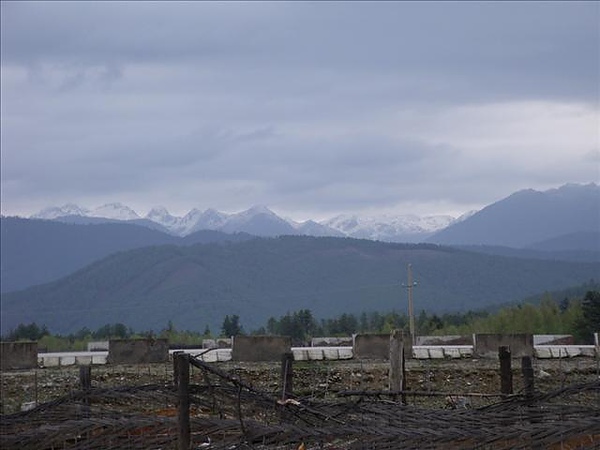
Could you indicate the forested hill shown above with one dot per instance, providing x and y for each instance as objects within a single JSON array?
[
  {"x": 198, "y": 285},
  {"x": 40, "y": 251}
]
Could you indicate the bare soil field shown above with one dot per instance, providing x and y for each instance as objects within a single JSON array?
[
  {"x": 315, "y": 379},
  {"x": 447, "y": 404}
]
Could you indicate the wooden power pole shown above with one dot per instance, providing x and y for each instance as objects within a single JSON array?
[{"x": 411, "y": 311}]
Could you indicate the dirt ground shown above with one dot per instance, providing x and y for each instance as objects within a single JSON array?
[{"x": 315, "y": 379}]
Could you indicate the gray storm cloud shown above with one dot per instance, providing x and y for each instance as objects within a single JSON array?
[{"x": 316, "y": 107}]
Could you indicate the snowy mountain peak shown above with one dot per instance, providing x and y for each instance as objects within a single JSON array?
[
  {"x": 161, "y": 215},
  {"x": 158, "y": 211},
  {"x": 262, "y": 221},
  {"x": 212, "y": 218},
  {"x": 258, "y": 209},
  {"x": 115, "y": 211},
  {"x": 466, "y": 215},
  {"x": 54, "y": 212},
  {"x": 197, "y": 220},
  {"x": 408, "y": 227}
]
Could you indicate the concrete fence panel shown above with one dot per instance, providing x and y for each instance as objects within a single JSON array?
[
  {"x": 486, "y": 345},
  {"x": 444, "y": 340},
  {"x": 260, "y": 348},
  {"x": 18, "y": 355},
  {"x": 377, "y": 346},
  {"x": 553, "y": 339},
  {"x": 331, "y": 341},
  {"x": 138, "y": 351}
]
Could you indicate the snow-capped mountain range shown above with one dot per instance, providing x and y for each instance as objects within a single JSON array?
[{"x": 259, "y": 221}]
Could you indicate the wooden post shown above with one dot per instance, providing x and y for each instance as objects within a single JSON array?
[
  {"x": 183, "y": 395},
  {"x": 527, "y": 370},
  {"x": 397, "y": 363},
  {"x": 506, "y": 381},
  {"x": 85, "y": 377},
  {"x": 287, "y": 375},
  {"x": 176, "y": 368},
  {"x": 85, "y": 383}
]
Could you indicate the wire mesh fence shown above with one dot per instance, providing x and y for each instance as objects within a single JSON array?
[{"x": 227, "y": 412}]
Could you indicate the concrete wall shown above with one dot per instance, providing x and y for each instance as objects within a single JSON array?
[
  {"x": 18, "y": 355},
  {"x": 138, "y": 351},
  {"x": 97, "y": 346},
  {"x": 331, "y": 341},
  {"x": 445, "y": 340},
  {"x": 553, "y": 339},
  {"x": 260, "y": 348},
  {"x": 486, "y": 345},
  {"x": 216, "y": 343},
  {"x": 377, "y": 346}
]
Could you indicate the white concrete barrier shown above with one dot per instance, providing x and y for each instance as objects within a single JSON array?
[
  {"x": 213, "y": 355},
  {"x": 543, "y": 352},
  {"x": 315, "y": 354},
  {"x": 83, "y": 360},
  {"x": 442, "y": 351},
  {"x": 331, "y": 353},
  {"x": 345, "y": 353},
  {"x": 98, "y": 358},
  {"x": 319, "y": 354},
  {"x": 466, "y": 352},
  {"x": 48, "y": 361},
  {"x": 71, "y": 358},
  {"x": 420, "y": 353},
  {"x": 563, "y": 351},
  {"x": 300, "y": 354}
]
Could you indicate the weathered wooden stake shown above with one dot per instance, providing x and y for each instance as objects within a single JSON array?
[
  {"x": 85, "y": 383},
  {"x": 85, "y": 377},
  {"x": 36, "y": 388},
  {"x": 527, "y": 370},
  {"x": 176, "y": 367},
  {"x": 397, "y": 363},
  {"x": 183, "y": 395},
  {"x": 287, "y": 375},
  {"x": 506, "y": 381}
]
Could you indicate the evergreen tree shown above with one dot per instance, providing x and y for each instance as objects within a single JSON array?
[
  {"x": 231, "y": 326},
  {"x": 31, "y": 332},
  {"x": 589, "y": 322}
]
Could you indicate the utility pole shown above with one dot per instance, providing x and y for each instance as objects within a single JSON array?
[{"x": 411, "y": 312}]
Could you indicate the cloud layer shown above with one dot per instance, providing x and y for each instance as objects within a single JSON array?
[{"x": 311, "y": 108}]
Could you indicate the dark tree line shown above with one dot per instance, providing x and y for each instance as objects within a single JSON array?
[
  {"x": 589, "y": 321},
  {"x": 302, "y": 325},
  {"x": 231, "y": 326},
  {"x": 29, "y": 332},
  {"x": 34, "y": 332},
  {"x": 577, "y": 316}
]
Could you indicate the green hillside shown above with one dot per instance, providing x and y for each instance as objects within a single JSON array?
[{"x": 198, "y": 285}]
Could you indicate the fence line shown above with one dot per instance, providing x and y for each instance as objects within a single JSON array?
[{"x": 226, "y": 412}]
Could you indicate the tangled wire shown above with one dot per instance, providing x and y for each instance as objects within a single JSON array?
[{"x": 226, "y": 413}]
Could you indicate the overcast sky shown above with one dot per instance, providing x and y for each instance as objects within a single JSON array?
[{"x": 310, "y": 108}]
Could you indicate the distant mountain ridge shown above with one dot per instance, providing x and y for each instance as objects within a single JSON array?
[
  {"x": 258, "y": 220},
  {"x": 522, "y": 219},
  {"x": 36, "y": 251},
  {"x": 195, "y": 286},
  {"x": 559, "y": 224},
  {"x": 528, "y": 218},
  {"x": 214, "y": 263}
]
